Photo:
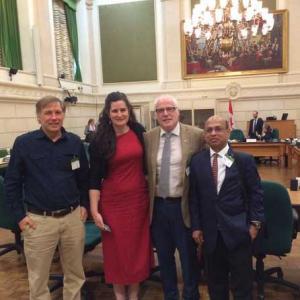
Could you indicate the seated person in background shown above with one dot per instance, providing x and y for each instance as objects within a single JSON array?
[
  {"x": 89, "y": 130},
  {"x": 255, "y": 126},
  {"x": 268, "y": 133}
]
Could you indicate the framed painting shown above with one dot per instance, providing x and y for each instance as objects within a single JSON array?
[{"x": 260, "y": 54}]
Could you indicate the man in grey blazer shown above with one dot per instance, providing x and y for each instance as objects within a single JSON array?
[{"x": 169, "y": 148}]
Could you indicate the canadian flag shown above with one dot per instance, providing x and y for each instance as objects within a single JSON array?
[{"x": 231, "y": 117}]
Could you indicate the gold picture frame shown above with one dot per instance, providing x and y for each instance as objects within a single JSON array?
[{"x": 258, "y": 55}]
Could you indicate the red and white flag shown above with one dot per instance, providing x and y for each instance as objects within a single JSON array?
[{"x": 231, "y": 117}]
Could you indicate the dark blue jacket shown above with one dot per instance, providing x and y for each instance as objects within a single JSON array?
[
  {"x": 258, "y": 128},
  {"x": 40, "y": 173},
  {"x": 229, "y": 211}
]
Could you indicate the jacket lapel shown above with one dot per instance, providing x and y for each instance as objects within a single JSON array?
[
  {"x": 185, "y": 146},
  {"x": 154, "y": 149},
  {"x": 227, "y": 171}
]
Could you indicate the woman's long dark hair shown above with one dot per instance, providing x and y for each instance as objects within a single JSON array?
[{"x": 105, "y": 135}]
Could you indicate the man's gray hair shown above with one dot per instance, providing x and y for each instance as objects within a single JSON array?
[{"x": 164, "y": 97}]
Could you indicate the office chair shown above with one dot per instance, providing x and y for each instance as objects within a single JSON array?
[
  {"x": 280, "y": 229},
  {"x": 274, "y": 138},
  {"x": 275, "y": 134},
  {"x": 8, "y": 222},
  {"x": 92, "y": 239},
  {"x": 3, "y": 152},
  {"x": 237, "y": 134}
]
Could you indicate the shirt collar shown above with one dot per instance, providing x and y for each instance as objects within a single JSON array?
[
  {"x": 221, "y": 153},
  {"x": 40, "y": 134},
  {"x": 175, "y": 131}
]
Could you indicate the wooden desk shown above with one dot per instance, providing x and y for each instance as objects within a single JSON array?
[
  {"x": 294, "y": 196},
  {"x": 296, "y": 154},
  {"x": 258, "y": 149},
  {"x": 293, "y": 152},
  {"x": 287, "y": 128}
]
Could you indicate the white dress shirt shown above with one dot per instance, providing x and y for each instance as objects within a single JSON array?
[
  {"x": 221, "y": 165},
  {"x": 176, "y": 185}
]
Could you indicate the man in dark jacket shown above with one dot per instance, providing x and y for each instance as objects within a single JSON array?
[
  {"x": 255, "y": 126},
  {"x": 226, "y": 204}
]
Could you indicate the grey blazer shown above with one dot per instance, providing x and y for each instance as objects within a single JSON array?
[{"x": 192, "y": 141}]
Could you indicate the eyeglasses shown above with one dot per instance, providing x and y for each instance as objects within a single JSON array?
[
  {"x": 216, "y": 129},
  {"x": 168, "y": 109}
]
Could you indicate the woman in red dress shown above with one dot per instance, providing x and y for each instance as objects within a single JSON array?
[{"x": 119, "y": 197}]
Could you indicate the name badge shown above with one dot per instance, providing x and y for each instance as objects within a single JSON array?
[
  {"x": 75, "y": 164},
  {"x": 228, "y": 161},
  {"x": 187, "y": 171}
]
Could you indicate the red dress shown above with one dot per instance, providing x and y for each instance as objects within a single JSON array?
[{"x": 124, "y": 205}]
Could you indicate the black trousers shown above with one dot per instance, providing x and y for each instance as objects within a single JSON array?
[
  {"x": 230, "y": 269},
  {"x": 168, "y": 234}
]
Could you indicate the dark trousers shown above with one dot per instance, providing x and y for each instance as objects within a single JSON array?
[
  {"x": 236, "y": 264},
  {"x": 168, "y": 234}
]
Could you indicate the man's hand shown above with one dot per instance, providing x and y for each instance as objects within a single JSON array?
[
  {"x": 83, "y": 213},
  {"x": 198, "y": 237},
  {"x": 27, "y": 221},
  {"x": 253, "y": 231}
]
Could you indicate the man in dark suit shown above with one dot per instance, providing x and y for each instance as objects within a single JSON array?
[
  {"x": 255, "y": 126},
  {"x": 226, "y": 205}
]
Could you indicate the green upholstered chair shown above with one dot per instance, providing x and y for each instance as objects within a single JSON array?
[
  {"x": 277, "y": 239},
  {"x": 237, "y": 134},
  {"x": 275, "y": 134},
  {"x": 8, "y": 222},
  {"x": 3, "y": 152},
  {"x": 275, "y": 138},
  {"x": 3, "y": 170},
  {"x": 92, "y": 239}
]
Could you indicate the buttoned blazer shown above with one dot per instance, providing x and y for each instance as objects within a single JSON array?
[
  {"x": 258, "y": 127},
  {"x": 191, "y": 141},
  {"x": 239, "y": 201}
]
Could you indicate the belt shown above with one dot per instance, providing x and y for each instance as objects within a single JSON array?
[
  {"x": 168, "y": 198},
  {"x": 55, "y": 213}
]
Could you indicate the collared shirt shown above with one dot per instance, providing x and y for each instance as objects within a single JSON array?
[
  {"x": 221, "y": 165},
  {"x": 40, "y": 173},
  {"x": 176, "y": 185},
  {"x": 254, "y": 125}
]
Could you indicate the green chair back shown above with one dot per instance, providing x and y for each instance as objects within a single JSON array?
[
  {"x": 275, "y": 133},
  {"x": 92, "y": 236},
  {"x": 3, "y": 152},
  {"x": 7, "y": 220},
  {"x": 279, "y": 219},
  {"x": 237, "y": 134}
]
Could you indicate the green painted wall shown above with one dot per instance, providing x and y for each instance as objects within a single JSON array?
[{"x": 128, "y": 42}]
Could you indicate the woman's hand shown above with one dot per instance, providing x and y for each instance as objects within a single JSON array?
[
  {"x": 94, "y": 199},
  {"x": 98, "y": 220}
]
